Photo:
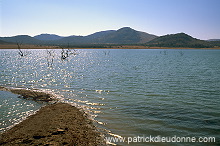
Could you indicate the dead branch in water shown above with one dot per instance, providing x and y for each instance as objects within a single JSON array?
[
  {"x": 19, "y": 49},
  {"x": 50, "y": 57},
  {"x": 21, "y": 53},
  {"x": 65, "y": 53}
]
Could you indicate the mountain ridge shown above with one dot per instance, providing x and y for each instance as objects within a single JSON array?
[
  {"x": 47, "y": 37},
  {"x": 179, "y": 40},
  {"x": 125, "y": 35},
  {"x": 213, "y": 40},
  {"x": 122, "y": 36},
  {"x": 21, "y": 39}
]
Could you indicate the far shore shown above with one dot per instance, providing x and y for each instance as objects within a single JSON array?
[{"x": 14, "y": 46}]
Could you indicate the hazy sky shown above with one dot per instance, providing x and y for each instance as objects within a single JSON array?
[{"x": 198, "y": 18}]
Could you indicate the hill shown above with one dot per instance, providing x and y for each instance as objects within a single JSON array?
[
  {"x": 47, "y": 37},
  {"x": 178, "y": 40},
  {"x": 24, "y": 39},
  {"x": 127, "y": 35},
  {"x": 215, "y": 43},
  {"x": 99, "y": 35},
  {"x": 124, "y": 35},
  {"x": 213, "y": 40},
  {"x": 4, "y": 43}
]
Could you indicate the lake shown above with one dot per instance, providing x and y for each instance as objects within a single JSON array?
[{"x": 127, "y": 92}]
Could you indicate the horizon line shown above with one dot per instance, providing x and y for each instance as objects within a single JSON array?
[{"x": 103, "y": 31}]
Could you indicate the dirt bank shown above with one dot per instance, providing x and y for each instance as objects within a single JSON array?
[
  {"x": 33, "y": 94},
  {"x": 55, "y": 124}
]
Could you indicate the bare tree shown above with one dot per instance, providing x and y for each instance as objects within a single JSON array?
[
  {"x": 106, "y": 52},
  {"x": 20, "y": 52},
  {"x": 19, "y": 49},
  {"x": 65, "y": 53},
  {"x": 181, "y": 53},
  {"x": 50, "y": 57}
]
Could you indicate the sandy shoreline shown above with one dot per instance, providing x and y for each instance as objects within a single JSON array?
[
  {"x": 34, "y": 94},
  {"x": 55, "y": 124}
]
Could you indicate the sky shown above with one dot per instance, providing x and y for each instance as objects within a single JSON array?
[{"x": 198, "y": 18}]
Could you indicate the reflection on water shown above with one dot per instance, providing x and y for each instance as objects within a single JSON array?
[
  {"x": 13, "y": 109},
  {"x": 128, "y": 92}
]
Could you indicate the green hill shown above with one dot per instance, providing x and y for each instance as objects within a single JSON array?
[
  {"x": 127, "y": 35},
  {"x": 47, "y": 37},
  {"x": 4, "y": 42},
  {"x": 123, "y": 36},
  {"x": 215, "y": 43},
  {"x": 24, "y": 39},
  {"x": 178, "y": 40}
]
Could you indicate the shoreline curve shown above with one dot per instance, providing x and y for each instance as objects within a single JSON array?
[{"x": 54, "y": 124}]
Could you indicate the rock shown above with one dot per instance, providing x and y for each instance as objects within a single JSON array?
[{"x": 59, "y": 131}]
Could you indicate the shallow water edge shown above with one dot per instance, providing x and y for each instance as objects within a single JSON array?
[{"x": 66, "y": 125}]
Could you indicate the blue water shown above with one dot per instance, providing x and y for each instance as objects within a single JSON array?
[
  {"x": 128, "y": 92},
  {"x": 14, "y": 110}
]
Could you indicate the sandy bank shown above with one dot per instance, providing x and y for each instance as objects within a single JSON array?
[
  {"x": 55, "y": 124},
  {"x": 33, "y": 94}
]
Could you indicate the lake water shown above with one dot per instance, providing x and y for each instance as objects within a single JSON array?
[{"x": 127, "y": 92}]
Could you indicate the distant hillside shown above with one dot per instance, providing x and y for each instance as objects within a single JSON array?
[
  {"x": 71, "y": 40},
  {"x": 178, "y": 40},
  {"x": 215, "y": 43},
  {"x": 47, "y": 37},
  {"x": 4, "y": 43},
  {"x": 24, "y": 39},
  {"x": 213, "y": 40},
  {"x": 123, "y": 36},
  {"x": 99, "y": 35},
  {"x": 127, "y": 35},
  {"x": 79, "y": 40}
]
